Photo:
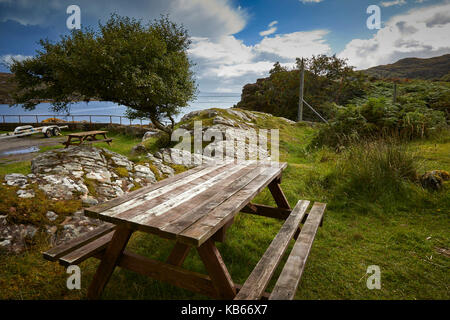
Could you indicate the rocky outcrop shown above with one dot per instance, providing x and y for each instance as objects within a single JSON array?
[
  {"x": 87, "y": 173},
  {"x": 434, "y": 180}
]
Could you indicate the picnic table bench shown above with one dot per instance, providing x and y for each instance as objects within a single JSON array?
[
  {"x": 195, "y": 209},
  {"x": 86, "y": 137}
]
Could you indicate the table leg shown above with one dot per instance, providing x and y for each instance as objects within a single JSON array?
[
  {"x": 178, "y": 254},
  {"x": 278, "y": 195},
  {"x": 104, "y": 137},
  {"x": 68, "y": 142},
  {"x": 217, "y": 270},
  {"x": 280, "y": 199},
  {"x": 109, "y": 261}
]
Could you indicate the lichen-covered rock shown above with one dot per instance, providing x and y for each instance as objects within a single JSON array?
[
  {"x": 434, "y": 180},
  {"x": 149, "y": 134}
]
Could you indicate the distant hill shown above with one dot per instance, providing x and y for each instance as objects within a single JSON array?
[{"x": 413, "y": 68}]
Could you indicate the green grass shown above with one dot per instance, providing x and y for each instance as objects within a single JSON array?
[
  {"x": 400, "y": 233},
  {"x": 23, "y": 167}
]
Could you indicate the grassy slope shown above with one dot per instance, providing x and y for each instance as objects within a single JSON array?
[{"x": 400, "y": 237}]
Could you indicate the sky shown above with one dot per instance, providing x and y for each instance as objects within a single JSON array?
[{"x": 235, "y": 42}]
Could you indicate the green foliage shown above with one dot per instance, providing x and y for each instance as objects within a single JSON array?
[
  {"x": 379, "y": 117},
  {"x": 328, "y": 81},
  {"x": 371, "y": 170},
  {"x": 144, "y": 67}
]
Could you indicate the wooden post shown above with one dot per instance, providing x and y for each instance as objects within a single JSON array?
[
  {"x": 109, "y": 261},
  {"x": 300, "y": 99},
  {"x": 120, "y": 120},
  {"x": 110, "y": 119},
  {"x": 394, "y": 100},
  {"x": 4, "y": 121},
  {"x": 37, "y": 121},
  {"x": 20, "y": 119},
  {"x": 73, "y": 119},
  {"x": 90, "y": 119}
]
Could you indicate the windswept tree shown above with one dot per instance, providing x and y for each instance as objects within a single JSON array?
[{"x": 143, "y": 67}]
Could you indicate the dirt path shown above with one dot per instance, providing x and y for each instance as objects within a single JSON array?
[{"x": 24, "y": 148}]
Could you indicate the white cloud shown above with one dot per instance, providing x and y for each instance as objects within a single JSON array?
[
  {"x": 393, "y": 3},
  {"x": 230, "y": 62},
  {"x": 419, "y": 33},
  {"x": 226, "y": 50},
  {"x": 296, "y": 44},
  {"x": 8, "y": 58},
  {"x": 269, "y": 31},
  {"x": 212, "y": 18},
  {"x": 310, "y": 1}
]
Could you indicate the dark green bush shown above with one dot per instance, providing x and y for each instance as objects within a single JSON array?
[{"x": 379, "y": 117}]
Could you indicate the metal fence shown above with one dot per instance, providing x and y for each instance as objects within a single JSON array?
[{"x": 99, "y": 118}]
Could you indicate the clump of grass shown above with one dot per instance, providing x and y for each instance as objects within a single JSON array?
[
  {"x": 155, "y": 171},
  {"x": 122, "y": 172},
  {"x": 371, "y": 170},
  {"x": 136, "y": 186},
  {"x": 91, "y": 186}
]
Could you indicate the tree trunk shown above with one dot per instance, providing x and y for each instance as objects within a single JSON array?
[{"x": 160, "y": 126}]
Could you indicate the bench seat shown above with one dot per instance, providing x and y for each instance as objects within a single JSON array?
[
  {"x": 287, "y": 283},
  {"x": 79, "y": 249}
]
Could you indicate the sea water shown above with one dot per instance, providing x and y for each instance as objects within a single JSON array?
[{"x": 104, "y": 112}]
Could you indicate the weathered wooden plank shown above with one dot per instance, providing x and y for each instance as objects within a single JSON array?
[
  {"x": 258, "y": 280},
  {"x": 145, "y": 217},
  {"x": 109, "y": 261},
  {"x": 208, "y": 225},
  {"x": 177, "y": 276},
  {"x": 267, "y": 211},
  {"x": 54, "y": 253},
  {"x": 92, "y": 248},
  {"x": 139, "y": 196},
  {"x": 212, "y": 198},
  {"x": 85, "y": 133},
  {"x": 156, "y": 224},
  {"x": 286, "y": 285},
  {"x": 178, "y": 254},
  {"x": 265, "y": 295},
  {"x": 217, "y": 270},
  {"x": 132, "y": 211},
  {"x": 95, "y": 210}
]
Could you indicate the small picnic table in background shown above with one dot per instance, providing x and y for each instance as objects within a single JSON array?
[{"x": 87, "y": 136}]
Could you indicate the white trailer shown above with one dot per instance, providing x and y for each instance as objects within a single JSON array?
[{"x": 22, "y": 131}]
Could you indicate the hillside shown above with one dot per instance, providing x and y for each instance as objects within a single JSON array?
[{"x": 413, "y": 68}]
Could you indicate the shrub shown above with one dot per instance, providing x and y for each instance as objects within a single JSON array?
[
  {"x": 378, "y": 118},
  {"x": 371, "y": 170}
]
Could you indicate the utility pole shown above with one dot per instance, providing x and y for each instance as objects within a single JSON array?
[{"x": 300, "y": 99}]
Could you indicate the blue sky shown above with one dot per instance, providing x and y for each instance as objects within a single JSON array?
[{"x": 237, "y": 41}]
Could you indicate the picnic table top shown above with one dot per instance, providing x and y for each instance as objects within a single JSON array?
[
  {"x": 86, "y": 133},
  {"x": 192, "y": 206}
]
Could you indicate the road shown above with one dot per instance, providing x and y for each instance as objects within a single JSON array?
[{"x": 25, "y": 148}]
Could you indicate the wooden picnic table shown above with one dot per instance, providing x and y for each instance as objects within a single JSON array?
[
  {"x": 87, "y": 136},
  {"x": 194, "y": 209}
]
